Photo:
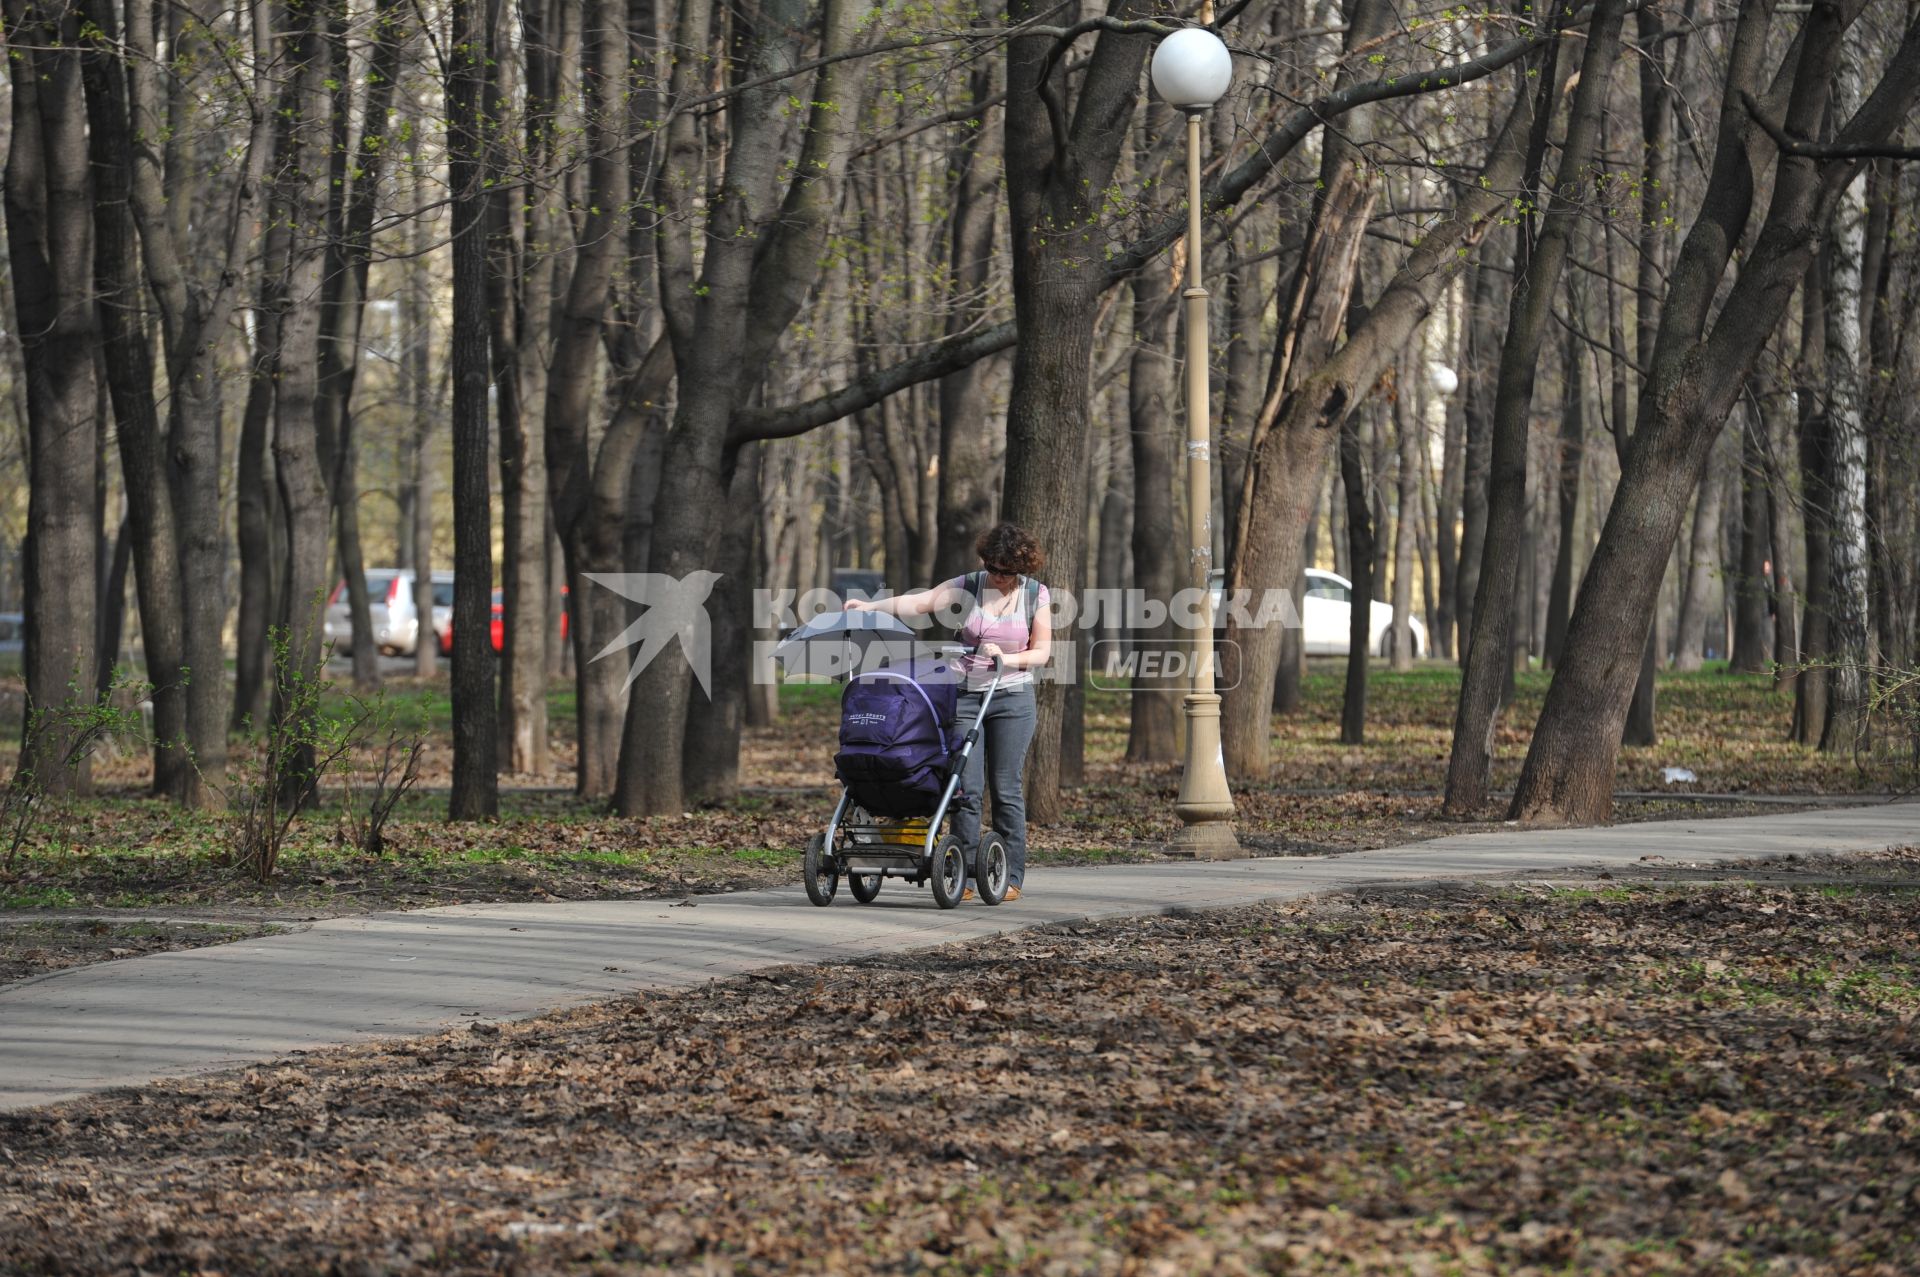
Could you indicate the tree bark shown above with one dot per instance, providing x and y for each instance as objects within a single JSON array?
[
  {"x": 1056, "y": 166},
  {"x": 713, "y": 735},
  {"x": 1815, "y": 445},
  {"x": 972, "y": 435},
  {"x": 1573, "y": 452},
  {"x": 1703, "y": 565},
  {"x": 127, "y": 361},
  {"x": 1353, "y": 477},
  {"x": 194, "y": 311},
  {"x": 300, "y": 200},
  {"x": 476, "y": 782},
  {"x": 1849, "y": 626},
  {"x": 419, "y": 327},
  {"x": 515, "y": 300},
  {"x": 1411, "y": 435},
  {"x": 49, "y": 250},
  {"x": 598, "y": 614},
  {"x": 1751, "y": 631},
  {"x": 1152, "y": 731},
  {"x": 261, "y": 521},
  {"x": 1476, "y": 407}
]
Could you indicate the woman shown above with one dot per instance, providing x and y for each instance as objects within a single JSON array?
[{"x": 1006, "y": 611}]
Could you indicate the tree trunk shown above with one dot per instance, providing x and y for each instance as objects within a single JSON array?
[
  {"x": 300, "y": 199},
  {"x": 1476, "y": 409},
  {"x": 1353, "y": 477},
  {"x": 1573, "y": 444},
  {"x": 419, "y": 327},
  {"x": 127, "y": 360},
  {"x": 1055, "y": 174},
  {"x": 1703, "y": 565},
  {"x": 1815, "y": 445},
  {"x": 1411, "y": 432},
  {"x": 713, "y": 730},
  {"x": 1849, "y": 626},
  {"x": 261, "y": 520},
  {"x": 515, "y": 303},
  {"x": 1487, "y": 683},
  {"x": 971, "y": 433},
  {"x": 762, "y": 260},
  {"x": 49, "y": 235},
  {"x": 1775, "y": 407},
  {"x": 599, "y": 614},
  {"x": 1750, "y": 629},
  {"x": 1152, "y": 733},
  {"x": 1287, "y": 454},
  {"x": 1451, "y": 490},
  {"x": 476, "y": 783}
]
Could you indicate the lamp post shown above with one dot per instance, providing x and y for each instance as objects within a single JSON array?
[{"x": 1191, "y": 71}]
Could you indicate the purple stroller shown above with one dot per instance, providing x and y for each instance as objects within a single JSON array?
[{"x": 900, "y": 763}]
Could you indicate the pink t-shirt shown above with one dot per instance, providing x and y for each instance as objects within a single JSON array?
[{"x": 1012, "y": 633}]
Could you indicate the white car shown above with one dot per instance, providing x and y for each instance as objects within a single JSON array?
[
  {"x": 396, "y": 624},
  {"x": 1326, "y": 615}
]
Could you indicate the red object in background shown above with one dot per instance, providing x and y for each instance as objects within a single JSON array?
[{"x": 498, "y": 623}]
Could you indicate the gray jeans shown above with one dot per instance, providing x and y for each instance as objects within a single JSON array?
[{"x": 998, "y": 757}]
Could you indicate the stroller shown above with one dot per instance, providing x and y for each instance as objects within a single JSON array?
[{"x": 900, "y": 767}]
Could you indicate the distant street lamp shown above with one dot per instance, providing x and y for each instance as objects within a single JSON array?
[{"x": 1191, "y": 71}]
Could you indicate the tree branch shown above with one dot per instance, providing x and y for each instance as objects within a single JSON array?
[
  {"x": 948, "y": 356},
  {"x": 1297, "y": 126},
  {"x": 958, "y": 352},
  {"x": 1825, "y": 150}
]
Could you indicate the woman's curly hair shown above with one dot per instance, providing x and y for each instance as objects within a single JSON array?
[{"x": 1008, "y": 545}]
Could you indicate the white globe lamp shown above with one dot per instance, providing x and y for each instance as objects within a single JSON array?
[
  {"x": 1192, "y": 69},
  {"x": 1442, "y": 378}
]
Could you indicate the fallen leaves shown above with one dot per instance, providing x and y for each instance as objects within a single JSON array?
[{"x": 1440, "y": 1080}]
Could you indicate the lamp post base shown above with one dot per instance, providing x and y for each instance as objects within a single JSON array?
[
  {"x": 1213, "y": 840},
  {"x": 1205, "y": 804}
]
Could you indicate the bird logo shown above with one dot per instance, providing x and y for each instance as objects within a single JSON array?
[{"x": 675, "y": 608}]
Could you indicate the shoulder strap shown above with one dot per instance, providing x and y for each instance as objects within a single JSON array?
[{"x": 1030, "y": 597}]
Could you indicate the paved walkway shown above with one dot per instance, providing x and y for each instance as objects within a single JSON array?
[{"x": 394, "y": 974}]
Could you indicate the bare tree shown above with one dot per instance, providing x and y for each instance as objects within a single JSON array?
[
  {"x": 476, "y": 783},
  {"x": 1697, "y": 373},
  {"x": 49, "y": 252}
]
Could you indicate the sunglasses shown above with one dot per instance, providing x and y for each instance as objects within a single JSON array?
[{"x": 1000, "y": 571}]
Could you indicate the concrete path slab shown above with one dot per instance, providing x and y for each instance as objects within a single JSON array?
[{"x": 396, "y": 974}]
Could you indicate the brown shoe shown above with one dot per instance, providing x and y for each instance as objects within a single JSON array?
[
  {"x": 1013, "y": 893},
  {"x": 967, "y": 894}
]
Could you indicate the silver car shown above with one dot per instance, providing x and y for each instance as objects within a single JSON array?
[{"x": 396, "y": 623}]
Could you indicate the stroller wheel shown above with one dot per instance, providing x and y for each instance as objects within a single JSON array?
[
  {"x": 990, "y": 871},
  {"x": 823, "y": 875},
  {"x": 949, "y": 872},
  {"x": 866, "y": 887}
]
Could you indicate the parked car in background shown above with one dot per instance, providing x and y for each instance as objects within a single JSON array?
[
  {"x": 13, "y": 631},
  {"x": 396, "y": 623},
  {"x": 498, "y": 625},
  {"x": 1326, "y": 617}
]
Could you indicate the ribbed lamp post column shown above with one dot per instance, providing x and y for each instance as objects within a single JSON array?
[{"x": 1192, "y": 69}]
